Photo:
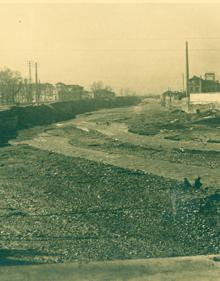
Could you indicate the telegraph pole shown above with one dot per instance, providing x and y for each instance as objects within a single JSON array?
[
  {"x": 183, "y": 80},
  {"x": 29, "y": 69},
  {"x": 36, "y": 83},
  {"x": 187, "y": 77},
  {"x": 30, "y": 82}
]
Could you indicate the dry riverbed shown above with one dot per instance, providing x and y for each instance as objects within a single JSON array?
[
  {"x": 56, "y": 208},
  {"x": 89, "y": 190}
]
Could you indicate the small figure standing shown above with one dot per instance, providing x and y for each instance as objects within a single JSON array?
[
  {"x": 186, "y": 184},
  {"x": 198, "y": 183}
]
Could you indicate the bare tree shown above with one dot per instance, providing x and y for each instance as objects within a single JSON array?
[
  {"x": 101, "y": 91},
  {"x": 10, "y": 85},
  {"x": 97, "y": 86}
]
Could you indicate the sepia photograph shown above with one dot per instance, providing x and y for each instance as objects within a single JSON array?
[{"x": 109, "y": 140}]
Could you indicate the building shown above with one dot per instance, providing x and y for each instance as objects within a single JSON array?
[
  {"x": 204, "y": 91},
  {"x": 69, "y": 92},
  {"x": 88, "y": 95},
  {"x": 104, "y": 94},
  {"x": 205, "y": 98},
  {"x": 170, "y": 97},
  {"x": 210, "y": 76},
  {"x": 46, "y": 92},
  {"x": 207, "y": 85}
]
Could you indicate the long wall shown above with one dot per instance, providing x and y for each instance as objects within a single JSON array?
[
  {"x": 205, "y": 98},
  {"x": 17, "y": 118}
]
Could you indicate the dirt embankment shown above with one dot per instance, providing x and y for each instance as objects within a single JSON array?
[{"x": 17, "y": 117}]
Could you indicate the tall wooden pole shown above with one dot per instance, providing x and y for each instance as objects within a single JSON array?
[
  {"x": 30, "y": 82},
  {"x": 187, "y": 76},
  {"x": 29, "y": 68},
  {"x": 36, "y": 83},
  {"x": 183, "y": 80}
]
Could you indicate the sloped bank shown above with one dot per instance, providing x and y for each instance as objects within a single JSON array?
[{"x": 19, "y": 117}]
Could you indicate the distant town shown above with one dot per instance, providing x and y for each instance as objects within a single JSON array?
[{"x": 14, "y": 89}]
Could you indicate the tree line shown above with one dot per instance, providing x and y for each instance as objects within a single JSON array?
[{"x": 14, "y": 89}]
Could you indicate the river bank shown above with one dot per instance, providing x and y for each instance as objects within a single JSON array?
[
  {"x": 20, "y": 117},
  {"x": 87, "y": 189}
]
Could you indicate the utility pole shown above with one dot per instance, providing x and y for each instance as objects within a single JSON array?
[
  {"x": 183, "y": 80},
  {"x": 30, "y": 82},
  {"x": 36, "y": 84},
  {"x": 187, "y": 77},
  {"x": 29, "y": 68}
]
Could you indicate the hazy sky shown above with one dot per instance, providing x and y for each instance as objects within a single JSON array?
[{"x": 140, "y": 46}]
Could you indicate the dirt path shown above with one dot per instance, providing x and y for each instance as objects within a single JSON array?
[
  {"x": 119, "y": 131},
  {"x": 201, "y": 268}
]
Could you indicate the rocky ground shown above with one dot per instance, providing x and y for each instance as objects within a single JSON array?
[
  {"x": 90, "y": 190},
  {"x": 56, "y": 208},
  {"x": 175, "y": 124}
]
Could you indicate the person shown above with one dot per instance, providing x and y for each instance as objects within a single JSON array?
[
  {"x": 198, "y": 183},
  {"x": 186, "y": 184}
]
